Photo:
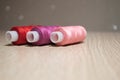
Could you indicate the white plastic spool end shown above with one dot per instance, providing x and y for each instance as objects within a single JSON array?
[
  {"x": 32, "y": 36},
  {"x": 11, "y": 36},
  {"x": 56, "y": 37}
]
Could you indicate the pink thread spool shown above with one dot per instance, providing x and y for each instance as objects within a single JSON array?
[
  {"x": 40, "y": 35},
  {"x": 68, "y": 35}
]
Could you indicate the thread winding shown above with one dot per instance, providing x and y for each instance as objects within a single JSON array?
[
  {"x": 21, "y": 32},
  {"x": 43, "y": 37},
  {"x": 68, "y": 35}
]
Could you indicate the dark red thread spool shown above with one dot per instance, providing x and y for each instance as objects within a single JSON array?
[{"x": 21, "y": 34}]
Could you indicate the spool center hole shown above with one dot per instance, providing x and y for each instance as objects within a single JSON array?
[
  {"x": 55, "y": 37},
  {"x": 9, "y": 37},
  {"x": 31, "y": 37}
]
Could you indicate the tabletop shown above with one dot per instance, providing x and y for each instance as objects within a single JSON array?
[{"x": 97, "y": 58}]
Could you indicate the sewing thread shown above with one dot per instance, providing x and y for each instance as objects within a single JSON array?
[
  {"x": 68, "y": 35},
  {"x": 17, "y": 34},
  {"x": 40, "y": 35}
]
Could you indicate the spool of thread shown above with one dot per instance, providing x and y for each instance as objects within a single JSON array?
[
  {"x": 68, "y": 35},
  {"x": 40, "y": 35},
  {"x": 17, "y": 34}
]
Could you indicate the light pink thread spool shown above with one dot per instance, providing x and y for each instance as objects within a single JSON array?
[{"x": 68, "y": 35}]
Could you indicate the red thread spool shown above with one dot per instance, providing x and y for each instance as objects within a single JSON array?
[{"x": 20, "y": 33}]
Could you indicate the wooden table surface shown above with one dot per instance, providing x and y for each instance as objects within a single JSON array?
[{"x": 98, "y": 58}]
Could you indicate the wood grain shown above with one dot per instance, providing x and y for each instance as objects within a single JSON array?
[{"x": 98, "y": 58}]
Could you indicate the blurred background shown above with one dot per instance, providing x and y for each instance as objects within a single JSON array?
[{"x": 95, "y": 15}]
